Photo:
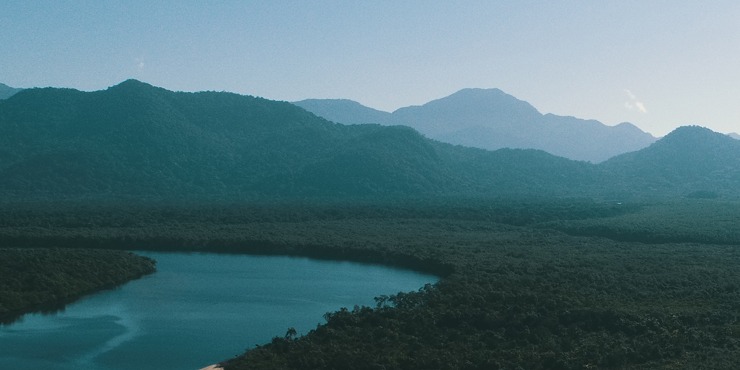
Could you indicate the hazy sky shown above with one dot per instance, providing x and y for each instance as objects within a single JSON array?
[{"x": 658, "y": 64}]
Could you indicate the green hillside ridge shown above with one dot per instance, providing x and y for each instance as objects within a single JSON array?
[
  {"x": 689, "y": 159},
  {"x": 137, "y": 141}
]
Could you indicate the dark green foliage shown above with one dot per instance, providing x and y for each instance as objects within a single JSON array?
[
  {"x": 48, "y": 278},
  {"x": 688, "y": 220},
  {"x": 522, "y": 297},
  {"x": 688, "y": 160},
  {"x": 515, "y": 292}
]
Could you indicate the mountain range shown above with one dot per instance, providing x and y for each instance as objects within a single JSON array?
[
  {"x": 137, "y": 141},
  {"x": 7, "y": 91},
  {"x": 491, "y": 119}
]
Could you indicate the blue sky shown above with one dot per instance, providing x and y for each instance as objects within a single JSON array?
[{"x": 658, "y": 64}]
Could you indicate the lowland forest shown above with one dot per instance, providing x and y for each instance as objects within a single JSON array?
[{"x": 545, "y": 262}]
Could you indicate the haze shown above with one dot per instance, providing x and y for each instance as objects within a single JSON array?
[{"x": 658, "y": 65}]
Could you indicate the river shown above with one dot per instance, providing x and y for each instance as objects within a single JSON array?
[{"x": 195, "y": 310}]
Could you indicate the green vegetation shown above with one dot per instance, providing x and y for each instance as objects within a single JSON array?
[
  {"x": 640, "y": 272},
  {"x": 517, "y": 289},
  {"x": 136, "y": 141},
  {"x": 46, "y": 279}
]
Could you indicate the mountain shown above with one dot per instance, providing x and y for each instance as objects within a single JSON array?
[
  {"x": 138, "y": 141},
  {"x": 491, "y": 119},
  {"x": 691, "y": 159},
  {"x": 7, "y": 91},
  {"x": 734, "y": 135},
  {"x": 134, "y": 141},
  {"x": 345, "y": 111}
]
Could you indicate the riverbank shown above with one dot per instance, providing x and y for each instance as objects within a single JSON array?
[
  {"x": 47, "y": 279},
  {"x": 198, "y": 308}
]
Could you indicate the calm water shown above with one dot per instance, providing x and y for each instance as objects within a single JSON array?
[{"x": 196, "y": 310}]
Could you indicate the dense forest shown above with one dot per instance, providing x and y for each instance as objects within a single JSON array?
[
  {"x": 46, "y": 279},
  {"x": 528, "y": 283},
  {"x": 545, "y": 262}
]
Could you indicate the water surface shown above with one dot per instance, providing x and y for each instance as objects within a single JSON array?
[{"x": 197, "y": 309}]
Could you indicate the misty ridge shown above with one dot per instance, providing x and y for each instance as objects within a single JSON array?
[
  {"x": 137, "y": 140},
  {"x": 491, "y": 119},
  {"x": 7, "y": 91}
]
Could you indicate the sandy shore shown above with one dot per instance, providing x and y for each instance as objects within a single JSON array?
[{"x": 212, "y": 367}]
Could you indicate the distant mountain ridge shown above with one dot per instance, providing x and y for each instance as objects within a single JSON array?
[
  {"x": 135, "y": 141},
  {"x": 734, "y": 135},
  {"x": 7, "y": 91},
  {"x": 345, "y": 111},
  {"x": 491, "y": 119}
]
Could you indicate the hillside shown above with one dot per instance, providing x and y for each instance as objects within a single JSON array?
[
  {"x": 135, "y": 140},
  {"x": 689, "y": 160},
  {"x": 345, "y": 111},
  {"x": 491, "y": 119},
  {"x": 7, "y": 91}
]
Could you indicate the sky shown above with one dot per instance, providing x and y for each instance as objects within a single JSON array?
[{"x": 657, "y": 64}]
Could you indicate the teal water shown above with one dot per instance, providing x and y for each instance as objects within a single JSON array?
[{"x": 196, "y": 310}]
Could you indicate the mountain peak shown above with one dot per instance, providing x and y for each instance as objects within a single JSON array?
[
  {"x": 689, "y": 146},
  {"x": 131, "y": 84},
  {"x": 471, "y": 91},
  {"x": 481, "y": 96},
  {"x": 692, "y": 134},
  {"x": 686, "y": 140}
]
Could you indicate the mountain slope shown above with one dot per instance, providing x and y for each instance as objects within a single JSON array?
[
  {"x": 139, "y": 141},
  {"x": 345, "y": 111},
  {"x": 7, "y": 91},
  {"x": 491, "y": 119},
  {"x": 689, "y": 159},
  {"x": 734, "y": 135},
  {"x": 135, "y": 138}
]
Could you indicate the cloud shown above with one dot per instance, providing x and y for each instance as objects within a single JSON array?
[
  {"x": 633, "y": 104},
  {"x": 139, "y": 63}
]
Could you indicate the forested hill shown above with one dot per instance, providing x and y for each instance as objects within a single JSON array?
[
  {"x": 137, "y": 141},
  {"x": 691, "y": 160}
]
